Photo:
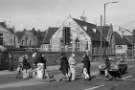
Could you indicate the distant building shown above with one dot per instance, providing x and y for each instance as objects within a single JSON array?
[
  {"x": 7, "y": 35},
  {"x": 72, "y": 35},
  {"x": 107, "y": 33},
  {"x": 27, "y": 39},
  {"x": 122, "y": 43}
]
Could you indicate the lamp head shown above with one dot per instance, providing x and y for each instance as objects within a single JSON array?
[
  {"x": 115, "y": 2},
  {"x": 111, "y": 2}
]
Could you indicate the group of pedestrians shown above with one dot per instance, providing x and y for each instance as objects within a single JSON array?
[
  {"x": 34, "y": 69},
  {"x": 68, "y": 67},
  {"x": 38, "y": 69}
]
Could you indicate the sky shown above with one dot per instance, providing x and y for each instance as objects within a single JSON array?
[{"x": 44, "y": 13}]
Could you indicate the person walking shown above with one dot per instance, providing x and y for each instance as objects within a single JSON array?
[
  {"x": 107, "y": 67},
  {"x": 72, "y": 64},
  {"x": 86, "y": 67},
  {"x": 26, "y": 67},
  {"x": 64, "y": 65},
  {"x": 20, "y": 67},
  {"x": 43, "y": 60}
]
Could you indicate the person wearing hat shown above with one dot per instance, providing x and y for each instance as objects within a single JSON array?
[{"x": 72, "y": 64}]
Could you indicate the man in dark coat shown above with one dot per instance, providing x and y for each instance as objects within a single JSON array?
[
  {"x": 26, "y": 67},
  {"x": 107, "y": 67},
  {"x": 107, "y": 63},
  {"x": 64, "y": 65},
  {"x": 26, "y": 64},
  {"x": 87, "y": 64}
]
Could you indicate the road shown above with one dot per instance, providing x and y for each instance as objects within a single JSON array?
[{"x": 8, "y": 82}]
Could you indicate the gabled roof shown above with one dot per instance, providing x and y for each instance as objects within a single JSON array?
[
  {"x": 49, "y": 34},
  {"x": 20, "y": 34},
  {"x": 84, "y": 23},
  {"x": 129, "y": 38},
  {"x": 120, "y": 40},
  {"x": 95, "y": 36},
  {"x": 4, "y": 25}
]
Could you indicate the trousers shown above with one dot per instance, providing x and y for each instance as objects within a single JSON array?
[{"x": 73, "y": 72}]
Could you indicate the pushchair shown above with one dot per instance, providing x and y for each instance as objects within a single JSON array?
[{"x": 112, "y": 74}]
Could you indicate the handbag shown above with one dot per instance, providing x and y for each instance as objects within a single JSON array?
[{"x": 85, "y": 73}]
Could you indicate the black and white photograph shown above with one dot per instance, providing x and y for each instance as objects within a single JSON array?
[{"x": 67, "y": 45}]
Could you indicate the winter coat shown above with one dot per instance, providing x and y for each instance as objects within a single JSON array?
[
  {"x": 64, "y": 65},
  {"x": 86, "y": 62}
]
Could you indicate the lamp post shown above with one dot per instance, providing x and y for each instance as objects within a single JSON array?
[{"x": 105, "y": 4}]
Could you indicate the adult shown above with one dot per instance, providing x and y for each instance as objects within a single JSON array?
[
  {"x": 43, "y": 60},
  {"x": 26, "y": 67},
  {"x": 64, "y": 65},
  {"x": 107, "y": 63},
  {"x": 107, "y": 66},
  {"x": 26, "y": 64},
  {"x": 35, "y": 58},
  {"x": 86, "y": 66},
  {"x": 19, "y": 67},
  {"x": 72, "y": 64}
]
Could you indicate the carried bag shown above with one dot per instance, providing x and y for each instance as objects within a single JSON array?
[
  {"x": 69, "y": 74},
  {"x": 85, "y": 73},
  {"x": 25, "y": 74}
]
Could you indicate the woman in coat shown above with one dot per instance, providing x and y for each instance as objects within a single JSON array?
[
  {"x": 64, "y": 66},
  {"x": 86, "y": 66}
]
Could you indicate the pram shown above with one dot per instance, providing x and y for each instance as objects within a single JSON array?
[{"x": 112, "y": 74}]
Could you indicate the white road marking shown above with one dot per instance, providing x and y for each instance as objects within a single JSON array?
[
  {"x": 95, "y": 87},
  {"x": 126, "y": 77}
]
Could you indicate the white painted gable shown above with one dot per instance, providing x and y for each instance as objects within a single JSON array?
[{"x": 76, "y": 31}]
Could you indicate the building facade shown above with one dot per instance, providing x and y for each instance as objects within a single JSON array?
[
  {"x": 7, "y": 35},
  {"x": 72, "y": 35},
  {"x": 27, "y": 39}
]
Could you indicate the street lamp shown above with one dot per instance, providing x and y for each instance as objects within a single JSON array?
[{"x": 105, "y": 10}]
